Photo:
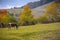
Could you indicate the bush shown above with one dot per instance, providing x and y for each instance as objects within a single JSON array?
[{"x": 43, "y": 19}]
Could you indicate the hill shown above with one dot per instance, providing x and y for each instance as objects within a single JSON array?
[
  {"x": 38, "y": 5},
  {"x": 39, "y": 11},
  {"x": 38, "y": 8},
  {"x": 31, "y": 5}
]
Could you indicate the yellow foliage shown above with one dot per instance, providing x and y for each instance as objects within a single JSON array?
[
  {"x": 51, "y": 7},
  {"x": 4, "y": 18},
  {"x": 26, "y": 12},
  {"x": 26, "y": 15},
  {"x": 52, "y": 11}
]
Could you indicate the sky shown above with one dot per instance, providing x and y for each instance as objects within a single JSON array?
[{"x": 6, "y": 4}]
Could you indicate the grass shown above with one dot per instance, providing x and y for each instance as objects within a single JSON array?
[{"x": 34, "y": 32}]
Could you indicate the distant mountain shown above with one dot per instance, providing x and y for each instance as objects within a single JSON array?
[
  {"x": 31, "y": 5},
  {"x": 39, "y": 11},
  {"x": 38, "y": 8},
  {"x": 38, "y": 3}
]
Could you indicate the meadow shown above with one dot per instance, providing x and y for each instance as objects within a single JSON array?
[{"x": 35, "y": 32}]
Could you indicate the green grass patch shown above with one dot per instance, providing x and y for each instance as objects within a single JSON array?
[{"x": 34, "y": 32}]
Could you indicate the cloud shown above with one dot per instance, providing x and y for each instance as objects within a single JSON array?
[
  {"x": 6, "y": 7},
  {"x": 7, "y": 4}
]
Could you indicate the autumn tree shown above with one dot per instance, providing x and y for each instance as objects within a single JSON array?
[
  {"x": 5, "y": 17},
  {"x": 53, "y": 12},
  {"x": 26, "y": 18}
]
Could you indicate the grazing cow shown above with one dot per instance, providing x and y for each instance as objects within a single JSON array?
[{"x": 12, "y": 25}]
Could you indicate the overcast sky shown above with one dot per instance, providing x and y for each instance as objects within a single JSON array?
[{"x": 13, "y": 3}]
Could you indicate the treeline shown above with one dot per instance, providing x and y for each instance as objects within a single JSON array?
[
  {"x": 51, "y": 15},
  {"x": 5, "y": 18}
]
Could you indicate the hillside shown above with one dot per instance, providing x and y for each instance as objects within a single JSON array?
[
  {"x": 31, "y": 5},
  {"x": 37, "y": 7},
  {"x": 39, "y": 11}
]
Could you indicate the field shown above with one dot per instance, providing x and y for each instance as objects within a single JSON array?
[{"x": 35, "y": 32}]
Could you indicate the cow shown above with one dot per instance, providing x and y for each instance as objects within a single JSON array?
[{"x": 12, "y": 25}]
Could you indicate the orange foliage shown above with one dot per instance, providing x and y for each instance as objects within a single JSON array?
[{"x": 3, "y": 11}]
